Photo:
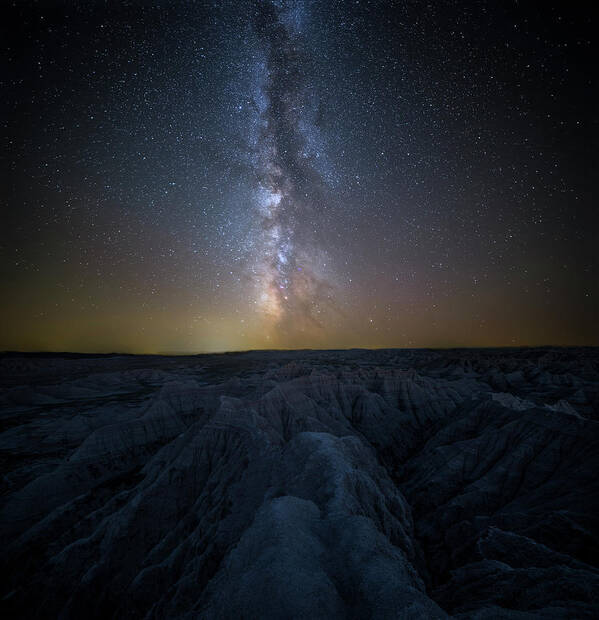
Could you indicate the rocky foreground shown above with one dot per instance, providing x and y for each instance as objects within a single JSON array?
[{"x": 331, "y": 484}]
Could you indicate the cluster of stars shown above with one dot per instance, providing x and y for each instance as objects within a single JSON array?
[{"x": 297, "y": 173}]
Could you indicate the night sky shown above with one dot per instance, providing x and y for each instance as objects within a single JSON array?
[{"x": 194, "y": 176}]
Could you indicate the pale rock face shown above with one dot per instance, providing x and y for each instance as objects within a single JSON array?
[{"x": 333, "y": 484}]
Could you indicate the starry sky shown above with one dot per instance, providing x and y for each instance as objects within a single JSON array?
[{"x": 197, "y": 176}]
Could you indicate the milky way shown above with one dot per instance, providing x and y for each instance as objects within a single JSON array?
[
  {"x": 290, "y": 265},
  {"x": 194, "y": 176}
]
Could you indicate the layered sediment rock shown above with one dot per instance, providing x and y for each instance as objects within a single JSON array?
[{"x": 383, "y": 484}]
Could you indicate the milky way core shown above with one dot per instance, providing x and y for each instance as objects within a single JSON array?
[{"x": 292, "y": 280}]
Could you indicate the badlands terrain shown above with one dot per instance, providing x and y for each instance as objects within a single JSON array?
[{"x": 305, "y": 484}]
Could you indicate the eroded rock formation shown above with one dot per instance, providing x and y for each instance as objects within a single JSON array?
[{"x": 349, "y": 484}]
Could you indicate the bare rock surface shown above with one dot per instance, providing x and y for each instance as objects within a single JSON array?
[{"x": 305, "y": 484}]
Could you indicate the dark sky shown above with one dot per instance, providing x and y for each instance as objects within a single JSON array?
[{"x": 193, "y": 176}]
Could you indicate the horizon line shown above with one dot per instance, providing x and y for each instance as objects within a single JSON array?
[{"x": 10, "y": 352}]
